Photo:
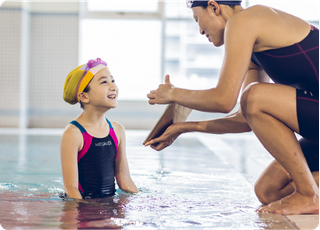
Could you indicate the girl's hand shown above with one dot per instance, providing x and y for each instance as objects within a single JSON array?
[
  {"x": 163, "y": 94},
  {"x": 166, "y": 139}
]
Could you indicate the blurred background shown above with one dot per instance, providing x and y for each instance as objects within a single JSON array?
[{"x": 42, "y": 41}]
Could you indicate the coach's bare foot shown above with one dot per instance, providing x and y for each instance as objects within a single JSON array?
[{"x": 294, "y": 204}]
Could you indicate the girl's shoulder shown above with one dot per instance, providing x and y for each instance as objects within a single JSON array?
[
  {"x": 116, "y": 125},
  {"x": 72, "y": 136},
  {"x": 72, "y": 130},
  {"x": 119, "y": 131},
  {"x": 118, "y": 128}
]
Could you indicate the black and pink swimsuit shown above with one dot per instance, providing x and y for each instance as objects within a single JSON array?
[
  {"x": 298, "y": 66},
  {"x": 96, "y": 164}
]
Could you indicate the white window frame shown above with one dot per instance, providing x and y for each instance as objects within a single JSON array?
[
  {"x": 123, "y": 15},
  {"x": 86, "y": 14},
  {"x": 160, "y": 15}
]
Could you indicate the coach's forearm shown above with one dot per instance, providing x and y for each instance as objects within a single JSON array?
[
  {"x": 234, "y": 123},
  {"x": 209, "y": 100}
]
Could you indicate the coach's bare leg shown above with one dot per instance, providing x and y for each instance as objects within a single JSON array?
[
  {"x": 270, "y": 110},
  {"x": 275, "y": 183}
]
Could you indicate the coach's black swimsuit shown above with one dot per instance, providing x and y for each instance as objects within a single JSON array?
[{"x": 298, "y": 66}]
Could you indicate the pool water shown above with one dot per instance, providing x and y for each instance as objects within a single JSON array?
[{"x": 185, "y": 186}]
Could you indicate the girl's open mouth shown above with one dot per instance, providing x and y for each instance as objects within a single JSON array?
[{"x": 112, "y": 96}]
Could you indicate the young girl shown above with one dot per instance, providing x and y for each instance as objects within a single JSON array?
[{"x": 93, "y": 149}]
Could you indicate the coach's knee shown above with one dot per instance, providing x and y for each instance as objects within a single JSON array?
[
  {"x": 263, "y": 194},
  {"x": 250, "y": 100}
]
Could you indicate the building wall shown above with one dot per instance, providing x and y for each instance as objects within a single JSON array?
[
  {"x": 54, "y": 46},
  {"x": 10, "y": 52},
  {"x": 38, "y": 42}
]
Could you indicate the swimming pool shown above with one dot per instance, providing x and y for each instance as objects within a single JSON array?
[{"x": 185, "y": 186}]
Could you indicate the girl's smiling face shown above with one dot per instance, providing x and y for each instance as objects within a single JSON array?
[{"x": 103, "y": 90}]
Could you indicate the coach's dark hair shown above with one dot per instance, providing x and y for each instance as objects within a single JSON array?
[{"x": 232, "y": 6}]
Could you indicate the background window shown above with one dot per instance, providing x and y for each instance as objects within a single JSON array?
[
  {"x": 190, "y": 59},
  {"x": 177, "y": 9},
  {"x": 140, "y": 40},
  {"x": 132, "y": 50},
  {"x": 147, "y": 49},
  {"x": 309, "y": 13},
  {"x": 123, "y": 6}
]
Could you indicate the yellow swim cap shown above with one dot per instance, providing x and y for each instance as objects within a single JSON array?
[{"x": 79, "y": 78}]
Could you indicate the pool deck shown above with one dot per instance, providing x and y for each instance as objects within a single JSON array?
[
  {"x": 241, "y": 155},
  {"x": 248, "y": 158},
  {"x": 250, "y": 165}
]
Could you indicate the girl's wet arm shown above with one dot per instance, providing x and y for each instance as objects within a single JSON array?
[
  {"x": 69, "y": 164},
  {"x": 123, "y": 176}
]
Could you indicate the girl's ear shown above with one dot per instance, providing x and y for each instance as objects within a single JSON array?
[{"x": 84, "y": 97}]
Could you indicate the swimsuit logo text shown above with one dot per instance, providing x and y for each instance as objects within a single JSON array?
[{"x": 100, "y": 144}]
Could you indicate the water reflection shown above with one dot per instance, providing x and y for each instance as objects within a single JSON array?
[
  {"x": 185, "y": 186},
  {"x": 105, "y": 213},
  {"x": 172, "y": 200},
  {"x": 22, "y": 150}
]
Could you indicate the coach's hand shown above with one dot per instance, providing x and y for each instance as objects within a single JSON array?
[
  {"x": 163, "y": 94},
  {"x": 166, "y": 139}
]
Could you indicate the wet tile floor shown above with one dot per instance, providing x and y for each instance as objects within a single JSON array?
[
  {"x": 249, "y": 158},
  {"x": 200, "y": 182}
]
